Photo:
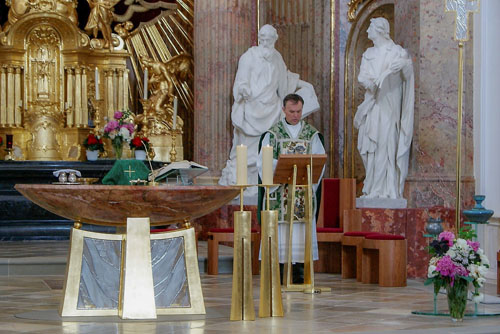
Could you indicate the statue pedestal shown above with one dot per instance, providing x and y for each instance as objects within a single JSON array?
[{"x": 383, "y": 203}]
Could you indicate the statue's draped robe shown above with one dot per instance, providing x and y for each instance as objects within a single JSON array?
[
  {"x": 385, "y": 121},
  {"x": 292, "y": 139},
  {"x": 268, "y": 81}
]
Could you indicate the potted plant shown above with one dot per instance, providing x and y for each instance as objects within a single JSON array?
[
  {"x": 455, "y": 263},
  {"x": 119, "y": 130},
  {"x": 140, "y": 145},
  {"x": 93, "y": 143}
]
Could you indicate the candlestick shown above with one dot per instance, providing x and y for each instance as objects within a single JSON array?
[
  {"x": 96, "y": 79},
  {"x": 267, "y": 165},
  {"x": 174, "y": 119},
  {"x": 146, "y": 83},
  {"x": 241, "y": 165}
]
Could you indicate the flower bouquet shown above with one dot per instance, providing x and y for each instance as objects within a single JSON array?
[
  {"x": 140, "y": 145},
  {"x": 455, "y": 263},
  {"x": 119, "y": 130},
  {"x": 93, "y": 143}
]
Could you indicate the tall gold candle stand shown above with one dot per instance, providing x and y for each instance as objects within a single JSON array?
[
  {"x": 242, "y": 307},
  {"x": 271, "y": 304},
  {"x": 173, "y": 152},
  {"x": 98, "y": 104}
]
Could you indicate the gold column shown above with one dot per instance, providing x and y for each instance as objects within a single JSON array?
[
  {"x": 125, "y": 89},
  {"x": 85, "y": 110},
  {"x": 120, "y": 89},
  {"x": 3, "y": 97},
  {"x": 18, "y": 98},
  {"x": 271, "y": 304},
  {"x": 109, "y": 93},
  {"x": 78, "y": 97},
  {"x": 137, "y": 298},
  {"x": 10, "y": 96},
  {"x": 69, "y": 97},
  {"x": 242, "y": 307}
]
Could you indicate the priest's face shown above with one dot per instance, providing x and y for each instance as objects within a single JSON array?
[{"x": 293, "y": 112}]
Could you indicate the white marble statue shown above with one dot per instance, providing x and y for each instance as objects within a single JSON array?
[
  {"x": 262, "y": 81},
  {"x": 385, "y": 118}
]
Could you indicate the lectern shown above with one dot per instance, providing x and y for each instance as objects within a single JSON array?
[{"x": 300, "y": 170}]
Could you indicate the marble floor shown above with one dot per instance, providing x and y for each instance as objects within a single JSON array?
[{"x": 351, "y": 307}]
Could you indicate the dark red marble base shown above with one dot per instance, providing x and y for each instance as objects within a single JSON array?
[{"x": 410, "y": 223}]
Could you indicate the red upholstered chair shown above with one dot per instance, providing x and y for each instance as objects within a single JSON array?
[
  {"x": 217, "y": 235},
  {"x": 384, "y": 260},
  {"x": 337, "y": 195}
]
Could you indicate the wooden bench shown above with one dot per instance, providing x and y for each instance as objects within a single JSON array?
[
  {"x": 384, "y": 260},
  {"x": 217, "y": 235},
  {"x": 337, "y": 195},
  {"x": 352, "y": 254}
]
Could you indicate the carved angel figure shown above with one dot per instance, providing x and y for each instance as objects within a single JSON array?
[
  {"x": 163, "y": 77},
  {"x": 100, "y": 18}
]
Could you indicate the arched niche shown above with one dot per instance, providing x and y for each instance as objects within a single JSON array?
[
  {"x": 71, "y": 37},
  {"x": 357, "y": 43}
]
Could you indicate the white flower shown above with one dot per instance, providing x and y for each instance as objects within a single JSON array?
[
  {"x": 478, "y": 298},
  {"x": 112, "y": 135},
  {"x": 125, "y": 133},
  {"x": 484, "y": 259},
  {"x": 462, "y": 243},
  {"x": 451, "y": 253},
  {"x": 431, "y": 272}
]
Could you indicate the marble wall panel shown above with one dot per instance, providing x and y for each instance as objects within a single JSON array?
[{"x": 224, "y": 29}]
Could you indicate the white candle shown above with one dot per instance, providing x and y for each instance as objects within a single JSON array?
[
  {"x": 174, "y": 117},
  {"x": 267, "y": 165},
  {"x": 96, "y": 79},
  {"x": 241, "y": 165},
  {"x": 146, "y": 83}
]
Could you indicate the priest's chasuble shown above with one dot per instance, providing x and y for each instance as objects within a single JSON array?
[{"x": 285, "y": 138}]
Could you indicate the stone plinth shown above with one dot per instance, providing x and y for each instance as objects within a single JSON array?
[{"x": 388, "y": 203}]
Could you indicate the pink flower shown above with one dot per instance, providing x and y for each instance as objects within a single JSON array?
[
  {"x": 448, "y": 236},
  {"x": 473, "y": 244},
  {"x": 130, "y": 127},
  {"x": 446, "y": 267},
  {"x": 118, "y": 115},
  {"x": 112, "y": 125}
]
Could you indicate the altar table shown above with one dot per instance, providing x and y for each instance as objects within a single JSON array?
[{"x": 135, "y": 274}]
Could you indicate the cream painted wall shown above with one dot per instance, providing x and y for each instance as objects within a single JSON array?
[{"x": 487, "y": 121}]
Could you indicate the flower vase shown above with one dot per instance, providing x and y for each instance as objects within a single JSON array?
[
  {"x": 92, "y": 155},
  {"x": 457, "y": 299},
  {"x": 140, "y": 154},
  {"x": 118, "y": 149}
]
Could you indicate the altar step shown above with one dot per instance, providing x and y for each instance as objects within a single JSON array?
[{"x": 49, "y": 258}]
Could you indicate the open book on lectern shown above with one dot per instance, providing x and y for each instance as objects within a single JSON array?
[
  {"x": 283, "y": 174},
  {"x": 183, "y": 171}
]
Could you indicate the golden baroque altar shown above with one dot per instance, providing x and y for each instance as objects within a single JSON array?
[{"x": 55, "y": 80}]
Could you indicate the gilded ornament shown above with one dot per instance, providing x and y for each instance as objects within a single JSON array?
[
  {"x": 163, "y": 77},
  {"x": 100, "y": 19}
]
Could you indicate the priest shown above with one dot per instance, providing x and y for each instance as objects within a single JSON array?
[{"x": 292, "y": 135}]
